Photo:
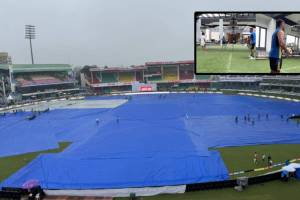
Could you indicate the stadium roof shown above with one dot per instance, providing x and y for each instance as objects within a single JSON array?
[
  {"x": 20, "y": 68},
  {"x": 140, "y": 67},
  {"x": 170, "y": 63},
  {"x": 3, "y": 67},
  {"x": 119, "y": 69},
  {"x": 228, "y": 15},
  {"x": 291, "y": 19},
  {"x": 212, "y": 19}
]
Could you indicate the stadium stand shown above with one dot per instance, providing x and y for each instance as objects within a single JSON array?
[
  {"x": 139, "y": 76},
  {"x": 40, "y": 79},
  {"x": 170, "y": 73},
  {"x": 179, "y": 76},
  {"x": 106, "y": 80},
  {"x": 287, "y": 86},
  {"x": 186, "y": 71},
  {"x": 153, "y": 73},
  {"x": 237, "y": 82},
  {"x": 108, "y": 77},
  {"x": 24, "y": 81},
  {"x": 281, "y": 84},
  {"x": 175, "y": 76},
  {"x": 126, "y": 77},
  {"x": 96, "y": 77},
  {"x": 4, "y": 84}
]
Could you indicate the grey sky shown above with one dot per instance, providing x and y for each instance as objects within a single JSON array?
[{"x": 110, "y": 32}]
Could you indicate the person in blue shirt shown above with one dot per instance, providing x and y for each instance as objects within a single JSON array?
[
  {"x": 252, "y": 43},
  {"x": 278, "y": 46}
]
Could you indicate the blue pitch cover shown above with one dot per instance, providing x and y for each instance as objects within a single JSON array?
[{"x": 152, "y": 140}]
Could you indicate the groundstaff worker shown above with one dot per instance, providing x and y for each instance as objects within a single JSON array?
[{"x": 278, "y": 46}]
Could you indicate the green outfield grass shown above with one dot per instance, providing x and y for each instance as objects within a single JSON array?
[
  {"x": 275, "y": 190},
  {"x": 11, "y": 164},
  {"x": 235, "y": 60},
  {"x": 241, "y": 158}
]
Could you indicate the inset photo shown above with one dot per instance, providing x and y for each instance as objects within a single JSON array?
[{"x": 247, "y": 43}]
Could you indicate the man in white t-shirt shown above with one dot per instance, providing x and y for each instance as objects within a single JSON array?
[{"x": 202, "y": 41}]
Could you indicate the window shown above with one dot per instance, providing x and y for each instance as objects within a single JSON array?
[
  {"x": 262, "y": 38},
  {"x": 261, "y": 35},
  {"x": 293, "y": 41},
  {"x": 290, "y": 40},
  {"x": 257, "y": 34},
  {"x": 297, "y": 45}
]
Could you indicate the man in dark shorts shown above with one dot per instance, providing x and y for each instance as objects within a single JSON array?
[
  {"x": 278, "y": 46},
  {"x": 252, "y": 43}
]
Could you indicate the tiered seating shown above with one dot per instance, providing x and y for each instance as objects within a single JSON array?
[
  {"x": 109, "y": 77},
  {"x": 39, "y": 80},
  {"x": 170, "y": 73},
  {"x": 153, "y": 74},
  {"x": 186, "y": 73},
  {"x": 139, "y": 76},
  {"x": 292, "y": 80},
  {"x": 95, "y": 79},
  {"x": 281, "y": 84},
  {"x": 237, "y": 78},
  {"x": 153, "y": 71},
  {"x": 154, "y": 78},
  {"x": 24, "y": 82},
  {"x": 126, "y": 77},
  {"x": 5, "y": 78}
]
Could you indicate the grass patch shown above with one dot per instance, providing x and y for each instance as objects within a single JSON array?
[
  {"x": 235, "y": 60},
  {"x": 275, "y": 190},
  {"x": 241, "y": 158},
  {"x": 9, "y": 165}
]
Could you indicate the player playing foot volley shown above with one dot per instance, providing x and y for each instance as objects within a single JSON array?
[
  {"x": 278, "y": 47},
  {"x": 252, "y": 43}
]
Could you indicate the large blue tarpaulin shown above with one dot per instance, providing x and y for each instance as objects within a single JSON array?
[
  {"x": 55, "y": 172},
  {"x": 19, "y": 135},
  {"x": 155, "y": 140}
]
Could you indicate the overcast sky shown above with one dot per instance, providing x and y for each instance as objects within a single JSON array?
[{"x": 110, "y": 32}]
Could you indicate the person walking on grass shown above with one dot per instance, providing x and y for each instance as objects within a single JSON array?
[
  {"x": 202, "y": 41},
  {"x": 263, "y": 157},
  {"x": 252, "y": 44},
  {"x": 270, "y": 162},
  {"x": 255, "y": 158},
  {"x": 224, "y": 42}
]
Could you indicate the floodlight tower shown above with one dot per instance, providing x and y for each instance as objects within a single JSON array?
[{"x": 30, "y": 34}]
